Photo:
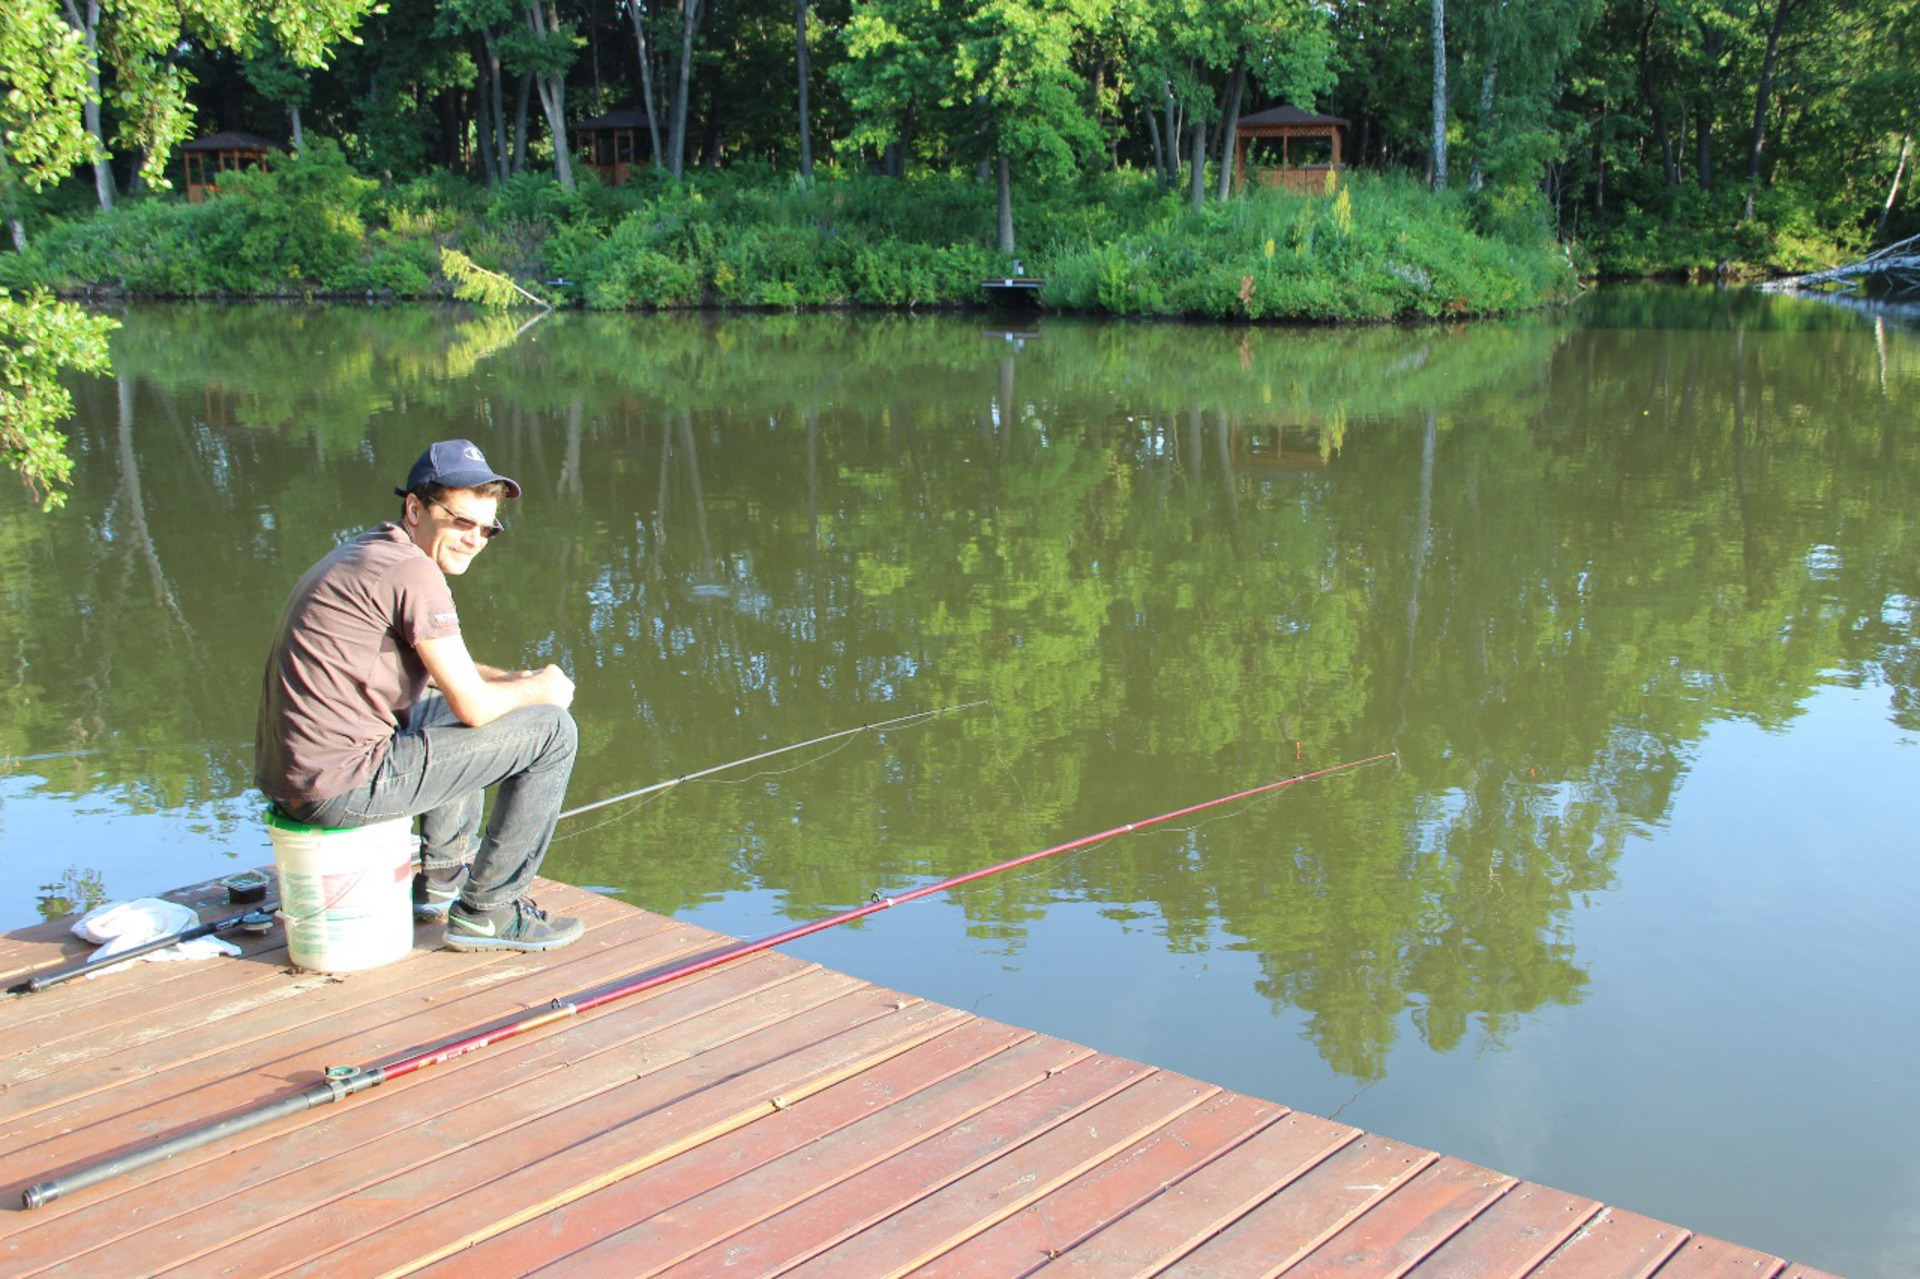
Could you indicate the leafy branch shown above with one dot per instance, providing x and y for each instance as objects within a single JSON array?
[{"x": 474, "y": 283}]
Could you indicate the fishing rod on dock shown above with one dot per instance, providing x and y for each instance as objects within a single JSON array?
[
  {"x": 341, "y": 1082},
  {"x": 251, "y": 918},
  {"x": 34, "y": 985}
]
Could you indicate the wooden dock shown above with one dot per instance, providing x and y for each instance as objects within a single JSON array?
[{"x": 764, "y": 1116}]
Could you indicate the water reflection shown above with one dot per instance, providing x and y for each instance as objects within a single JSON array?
[{"x": 1537, "y": 559}]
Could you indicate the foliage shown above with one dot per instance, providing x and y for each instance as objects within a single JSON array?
[
  {"x": 299, "y": 222},
  {"x": 477, "y": 284},
  {"x": 39, "y": 339},
  {"x": 1376, "y": 250},
  {"x": 1373, "y": 250}
]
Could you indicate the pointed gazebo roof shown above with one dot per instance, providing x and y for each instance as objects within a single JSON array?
[{"x": 232, "y": 140}]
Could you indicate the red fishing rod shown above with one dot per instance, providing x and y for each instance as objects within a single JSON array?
[{"x": 341, "y": 1082}]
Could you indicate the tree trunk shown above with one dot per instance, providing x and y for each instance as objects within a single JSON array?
[
  {"x": 1893, "y": 191},
  {"x": 691, "y": 11},
  {"x": 1004, "y": 240},
  {"x": 520, "y": 101},
  {"x": 299, "y": 137},
  {"x": 544, "y": 22},
  {"x": 1159, "y": 149},
  {"x": 1710, "y": 39},
  {"x": 485, "y": 124},
  {"x": 1599, "y": 172},
  {"x": 1236, "y": 90},
  {"x": 637, "y": 10},
  {"x": 1764, "y": 89},
  {"x": 1197, "y": 149},
  {"x": 1439, "y": 178},
  {"x": 494, "y": 107},
  {"x": 1171, "y": 174},
  {"x": 1477, "y": 175},
  {"x": 800, "y": 60},
  {"x": 88, "y": 25}
]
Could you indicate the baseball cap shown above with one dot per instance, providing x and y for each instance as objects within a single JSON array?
[{"x": 454, "y": 464}]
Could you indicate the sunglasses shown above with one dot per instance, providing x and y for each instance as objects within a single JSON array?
[{"x": 467, "y": 524}]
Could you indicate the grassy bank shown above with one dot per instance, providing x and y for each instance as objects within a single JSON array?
[{"x": 1380, "y": 248}]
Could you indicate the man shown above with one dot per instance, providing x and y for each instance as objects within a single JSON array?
[{"x": 372, "y": 709}]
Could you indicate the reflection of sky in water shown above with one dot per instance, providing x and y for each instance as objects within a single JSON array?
[
  {"x": 1786, "y": 989},
  {"x": 45, "y": 832}
]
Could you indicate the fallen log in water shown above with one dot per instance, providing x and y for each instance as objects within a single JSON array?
[{"x": 1898, "y": 264}]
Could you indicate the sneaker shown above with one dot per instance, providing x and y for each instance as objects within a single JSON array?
[
  {"x": 434, "y": 891},
  {"x": 518, "y": 925}
]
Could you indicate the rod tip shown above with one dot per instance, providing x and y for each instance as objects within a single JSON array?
[{"x": 37, "y": 1196}]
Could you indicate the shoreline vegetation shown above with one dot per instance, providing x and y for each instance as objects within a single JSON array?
[
  {"x": 891, "y": 154},
  {"x": 1375, "y": 248}
]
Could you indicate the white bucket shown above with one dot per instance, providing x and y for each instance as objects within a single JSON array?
[{"x": 346, "y": 894}]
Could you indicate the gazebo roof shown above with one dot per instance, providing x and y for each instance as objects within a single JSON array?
[
  {"x": 1286, "y": 115},
  {"x": 622, "y": 118},
  {"x": 231, "y": 140}
]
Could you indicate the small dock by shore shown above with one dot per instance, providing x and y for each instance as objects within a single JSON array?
[{"x": 762, "y": 1116}]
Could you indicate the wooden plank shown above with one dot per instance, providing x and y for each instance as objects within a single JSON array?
[
  {"x": 907, "y": 1239},
  {"x": 1613, "y": 1244},
  {"x": 849, "y": 1205},
  {"x": 311, "y": 1021},
  {"x": 1402, "y": 1228},
  {"x": 331, "y": 1152},
  {"x": 46, "y": 947},
  {"x": 121, "y": 992},
  {"x": 807, "y": 1128},
  {"x": 187, "y": 1032},
  {"x": 761, "y": 1116},
  {"x": 247, "y": 1085},
  {"x": 1030, "y": 1238},
  {"x": 155, "y": 1011},
  {"x": 1221, "y": 1192},
  {"x": 686, "y": 1225},
  {"x": 1513, "y": 1236},
  {"x": 591, "y": 1147},
  {"x": 1704, "y": 1257}
]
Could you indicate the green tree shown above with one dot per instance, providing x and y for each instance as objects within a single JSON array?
[{"x": 50, "y": 70}]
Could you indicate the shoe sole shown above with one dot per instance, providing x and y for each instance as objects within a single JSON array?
[
  {"x": 431, "y": 912},
  {"x": 458, "y": 942}
]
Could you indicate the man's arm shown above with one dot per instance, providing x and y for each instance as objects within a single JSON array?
[{"x": 481, "y": 694}]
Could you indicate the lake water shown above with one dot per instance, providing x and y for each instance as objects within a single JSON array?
[{"x": 1632, "y": 591}]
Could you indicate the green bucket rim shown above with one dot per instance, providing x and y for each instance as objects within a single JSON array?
[{"x": 278, "y": 820}]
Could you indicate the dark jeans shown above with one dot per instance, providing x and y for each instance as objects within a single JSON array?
[{"x": 437, "y": 769}]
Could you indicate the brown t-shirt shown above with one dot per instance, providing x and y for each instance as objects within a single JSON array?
[{"x": 344, "y": 674}]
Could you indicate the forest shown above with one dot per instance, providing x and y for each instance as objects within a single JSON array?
[
  {"x": 832, "y": 153},
  {"x": 1664, "y": 133}
]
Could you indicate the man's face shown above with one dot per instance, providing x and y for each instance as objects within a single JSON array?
[{"x": 453, "y": 528}]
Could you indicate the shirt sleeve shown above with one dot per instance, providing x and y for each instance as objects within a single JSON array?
[{"x": 423, "y": 605}]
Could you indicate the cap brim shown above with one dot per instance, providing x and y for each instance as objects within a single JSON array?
[{"x": 474, "y": 479}]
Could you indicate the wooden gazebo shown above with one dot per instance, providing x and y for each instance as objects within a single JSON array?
[
  {"x": 1301, "y": 134},
  {"x": 229, "y": 152},
  {"x": 613, "y": 143}
]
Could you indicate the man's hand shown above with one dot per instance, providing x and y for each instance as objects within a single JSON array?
[
  {"x": 481, "y": 694},
  {"x": 556, "y": 689}
]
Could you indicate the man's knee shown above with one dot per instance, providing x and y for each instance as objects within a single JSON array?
[{"x": 563, "y": 735}]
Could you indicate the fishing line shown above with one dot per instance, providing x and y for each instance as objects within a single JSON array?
[
  {"x": 341, "y": 1082},
  {"x": 646, "y": 801}
]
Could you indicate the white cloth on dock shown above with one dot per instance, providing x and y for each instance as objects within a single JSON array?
[{"x": 123, "y": 925}]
